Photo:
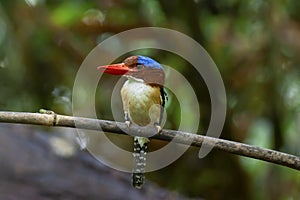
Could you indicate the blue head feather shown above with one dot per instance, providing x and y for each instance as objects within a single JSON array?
[{"x": 148, "y": 62}]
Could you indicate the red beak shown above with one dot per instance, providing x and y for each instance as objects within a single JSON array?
[{"x": 115, "y": 69}]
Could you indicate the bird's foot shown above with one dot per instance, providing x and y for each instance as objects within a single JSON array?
[
  {"x": 158, "y": 127},
  {"x": 128, "y": 123}
]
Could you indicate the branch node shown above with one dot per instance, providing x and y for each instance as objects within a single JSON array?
[{"x": 50, "y": 112}]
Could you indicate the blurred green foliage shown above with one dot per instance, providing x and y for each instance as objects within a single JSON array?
[{"x": 254, "y": 43}]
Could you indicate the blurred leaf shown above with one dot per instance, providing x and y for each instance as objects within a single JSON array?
[
  {"x": 121, "y": 16},
  {"x": 68, "y": 13}
]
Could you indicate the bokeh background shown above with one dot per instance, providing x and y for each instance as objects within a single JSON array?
[{"x": 254, "y": 43}]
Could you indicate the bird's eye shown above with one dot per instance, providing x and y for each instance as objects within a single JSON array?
[{"x": 139, "y": 66}]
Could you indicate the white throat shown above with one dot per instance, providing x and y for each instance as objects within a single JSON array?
[{"x": 134, "y": 79}]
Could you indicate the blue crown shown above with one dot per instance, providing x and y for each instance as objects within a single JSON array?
[{"x": 148, "y": 62}]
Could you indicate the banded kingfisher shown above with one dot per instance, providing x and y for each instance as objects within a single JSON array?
[{"x": 143, "y": 98}]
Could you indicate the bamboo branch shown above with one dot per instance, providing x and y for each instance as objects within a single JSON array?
[{"x": 52, "y": 119}]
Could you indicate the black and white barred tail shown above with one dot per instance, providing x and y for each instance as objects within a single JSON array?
[{"x": 139, "y": 161}]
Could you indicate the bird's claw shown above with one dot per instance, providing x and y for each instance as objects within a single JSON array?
[
  {"x": 127, "y": 123},
  {"x": 158, "y": 128}
]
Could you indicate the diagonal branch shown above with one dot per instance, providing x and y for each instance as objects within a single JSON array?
[{"x": 52, "y": 119}]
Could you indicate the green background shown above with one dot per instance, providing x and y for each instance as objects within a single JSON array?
[{"x": 254, "y": 43}]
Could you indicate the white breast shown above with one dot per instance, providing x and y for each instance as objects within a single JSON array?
[{"x": 141, "y": 102}]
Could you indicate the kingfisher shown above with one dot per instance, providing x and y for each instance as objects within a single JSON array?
[{"x": 143, "y": 97}]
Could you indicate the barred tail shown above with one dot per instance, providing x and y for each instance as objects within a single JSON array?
[{"x": 139, "y": 161}]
